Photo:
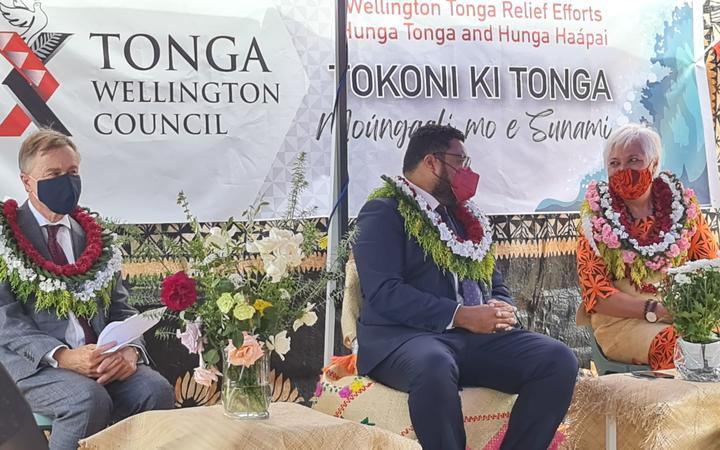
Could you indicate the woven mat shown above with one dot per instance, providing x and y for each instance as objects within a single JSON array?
[
  {"x": 290, "y": 426},
  {"x": 655, "y": 414}
]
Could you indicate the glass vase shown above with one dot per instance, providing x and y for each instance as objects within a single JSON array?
[
  {"x": 246, "y": 390},
  {"x": 698, "y": 362}
]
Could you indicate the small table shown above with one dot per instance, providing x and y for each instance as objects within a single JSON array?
[
  {"x": 625, "y": 412},
  {"x": 290, "y": 426}
]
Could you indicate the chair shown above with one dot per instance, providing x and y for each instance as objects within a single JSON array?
[
  {"x": 342, "y": 393},
  {"x": 43, "y": 422},
  {"x": 607, "y": 366},
  {"x": 18, "y": 430}
]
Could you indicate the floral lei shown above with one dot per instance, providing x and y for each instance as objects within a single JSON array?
[
  {"x": 605, "y": 223},
  {"x": 70, "y": 287},
  {"x": 470, "y": 258}
]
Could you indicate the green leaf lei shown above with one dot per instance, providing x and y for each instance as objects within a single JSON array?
[{"x": 427, "y": 236}]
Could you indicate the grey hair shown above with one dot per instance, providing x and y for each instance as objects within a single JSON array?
[
  {"x": 41, "y": 141},
  {"x": 633, "y": 133}
]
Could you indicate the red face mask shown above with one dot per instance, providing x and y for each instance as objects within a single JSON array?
[
  {"x": 630, "y": 184},
  {"x": 464, "y": 184}
]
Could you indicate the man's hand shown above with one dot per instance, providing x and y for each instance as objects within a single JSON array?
[
  {"x": 118, "y": 366},
  {"x": 489, "y": 318},
  {"x": 82, "y": 360}
]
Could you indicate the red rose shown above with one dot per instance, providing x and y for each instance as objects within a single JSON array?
[{"x": 178, "y": 292}]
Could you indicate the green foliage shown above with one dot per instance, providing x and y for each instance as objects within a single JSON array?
[
  {"x": 693, "y": 299},
  {"x": 218, "y": 261}
]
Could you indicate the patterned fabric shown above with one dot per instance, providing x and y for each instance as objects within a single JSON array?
[
  {"x": 342, "y": 393},
  {"x": 662, "y": 349},
  {"x": 596, "y": 283}
]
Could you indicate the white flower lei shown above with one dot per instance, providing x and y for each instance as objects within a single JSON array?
[
  {"x": 83, "y": 292},
  {"x": 467, "y": 248},
  {"x": 613, "y": 218}
]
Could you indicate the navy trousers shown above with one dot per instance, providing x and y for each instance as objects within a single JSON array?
[{"x": 432, "y": 369}]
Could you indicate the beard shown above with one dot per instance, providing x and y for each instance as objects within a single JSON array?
[{"x": 443, "y": 189}]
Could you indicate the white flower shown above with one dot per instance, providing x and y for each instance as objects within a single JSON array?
[
  {"x": 277, "y": 238},
  {"x": 280, "y": 250},
  {"x": 237, "y": 280},
  {"x": 218, "y": 240},
  {"x": 280, "y": 344},
  {"x": 275, "y": 268},
  {"x": 308, "y": 318},
  {"x": 681, "y": 278}
]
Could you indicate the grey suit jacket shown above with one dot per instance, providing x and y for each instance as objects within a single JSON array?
[{"x": 27, "y": 335}]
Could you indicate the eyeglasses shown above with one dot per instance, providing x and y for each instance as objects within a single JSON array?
[{"x": 465, "y": 162}]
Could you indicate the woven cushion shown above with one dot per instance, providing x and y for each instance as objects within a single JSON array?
[{"x": 364, "y": 400}]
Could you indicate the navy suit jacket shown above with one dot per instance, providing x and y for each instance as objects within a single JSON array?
[{"x": 405, "y": 294}]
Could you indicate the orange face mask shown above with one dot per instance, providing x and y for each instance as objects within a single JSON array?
[{"x": 630, "y": 184}]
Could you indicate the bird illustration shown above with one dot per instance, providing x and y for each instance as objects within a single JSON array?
[{"x": 31, "y": 21}]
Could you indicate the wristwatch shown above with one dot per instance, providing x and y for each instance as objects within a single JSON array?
[{"x": 650, "y": 306}]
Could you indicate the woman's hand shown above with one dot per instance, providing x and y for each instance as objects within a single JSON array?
[{"x": 663, "y": 314}]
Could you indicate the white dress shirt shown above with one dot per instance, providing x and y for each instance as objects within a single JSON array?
[
  {"x": 434, "y": 203},
  {"x": 74, "y": 333}
]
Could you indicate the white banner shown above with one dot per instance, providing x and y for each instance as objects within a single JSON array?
[
  {"x": 217, "y": 99},
  {"x": 160, "y": 96},
  {"x": 536, "y": 86}
]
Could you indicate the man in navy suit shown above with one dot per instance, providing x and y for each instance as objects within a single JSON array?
[{"x": 425, "y": 331}]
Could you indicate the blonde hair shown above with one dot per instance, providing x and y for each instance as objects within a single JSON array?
[
  {"x": 41, "y": 141},
  {"x": 634, "y": 133}
]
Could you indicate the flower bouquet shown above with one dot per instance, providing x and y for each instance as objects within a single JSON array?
[
  {"x": 692, "y": 296},
  {"x": 239, "y": 310}
]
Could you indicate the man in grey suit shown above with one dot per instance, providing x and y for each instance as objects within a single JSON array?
[{"x": 54, "y": 360}]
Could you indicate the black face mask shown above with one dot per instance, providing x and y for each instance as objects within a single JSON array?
[{"x": 60, "y": 194}]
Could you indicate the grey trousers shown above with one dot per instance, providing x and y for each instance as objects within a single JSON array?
[{"x": 81, "y": 407}]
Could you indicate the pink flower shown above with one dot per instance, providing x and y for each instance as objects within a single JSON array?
[
  {"x": 345, "y": 392},
  {"x": 628, "y": 256},
  {"x": 318, "y": 390},
  {"x": 688, "y": 194},
  {"x": 673, "y": 251},
  {"x": 206, "y": 377},
  {"x": 247, "y": 354},
  {"x": 611, "y": 241},
  {"x": 592, "y": 197},
  {"x": 692, "y": 211},
  {"x": 660, "y": 264},
  {"x": 598, "y": 223},
  {"x": 191, "y": 338},
  {"x": 683, "y": 244}
]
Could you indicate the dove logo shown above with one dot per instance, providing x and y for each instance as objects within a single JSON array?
[{"x": 27, "y": 49}]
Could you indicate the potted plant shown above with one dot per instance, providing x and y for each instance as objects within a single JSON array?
[{"x": 692, "y": 296}]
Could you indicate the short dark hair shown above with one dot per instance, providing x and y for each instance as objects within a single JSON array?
[{"x": 429, "y": 139}]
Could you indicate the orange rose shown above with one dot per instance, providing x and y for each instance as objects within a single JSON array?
[{"x": 247, "y": 354}]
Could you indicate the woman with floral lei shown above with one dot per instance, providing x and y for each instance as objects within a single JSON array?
[{"x": 633, "y": 228}]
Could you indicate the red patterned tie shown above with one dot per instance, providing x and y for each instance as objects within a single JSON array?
[
  {"x": 469, "y": 289},
  {"x": 58, "y": 256}
]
